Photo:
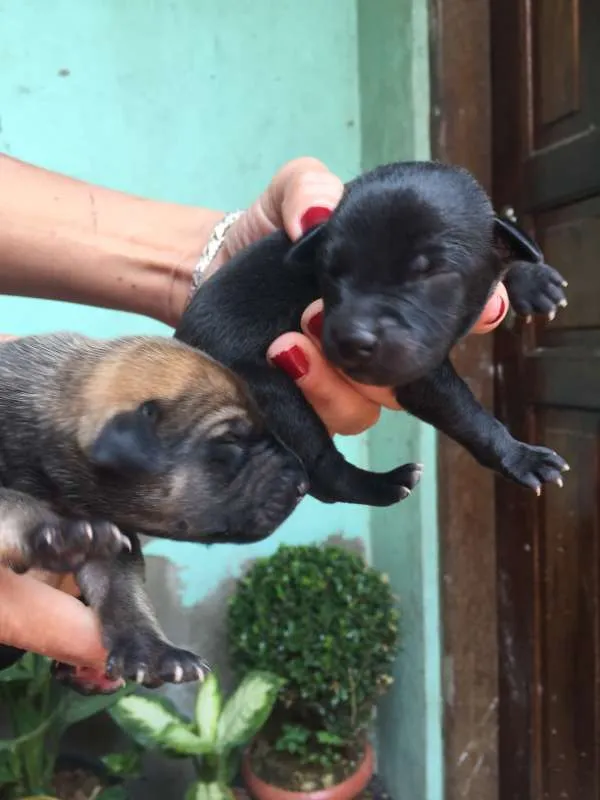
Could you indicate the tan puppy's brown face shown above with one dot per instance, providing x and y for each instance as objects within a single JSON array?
[{"x": 177, "y": 448}]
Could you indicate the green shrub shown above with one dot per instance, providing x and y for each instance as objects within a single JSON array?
[{"x": 325, "y": 622}]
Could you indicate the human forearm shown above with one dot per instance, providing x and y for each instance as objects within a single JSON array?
[{"x": 65, "y": 239}]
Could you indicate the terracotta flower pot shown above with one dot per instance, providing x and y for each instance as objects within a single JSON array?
[{"x": 346, "y": 790}]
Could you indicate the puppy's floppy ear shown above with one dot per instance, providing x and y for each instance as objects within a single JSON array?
[
  {"x": 304, "y": 250},
  {"x": 128, "y": 443},
  {"x": 511, "y": 239}
]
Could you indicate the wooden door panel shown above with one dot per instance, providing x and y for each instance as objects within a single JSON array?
[
  {"x": 547, "y": 166},
  {"x": 556, "y": 69},
  {"x": 570, "y": 238},
  {"x": 561, "y": 120},
  {"x": 566, "y": 581}
]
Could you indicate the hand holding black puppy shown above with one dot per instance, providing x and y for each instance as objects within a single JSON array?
[{"x": 405, "y": 266}]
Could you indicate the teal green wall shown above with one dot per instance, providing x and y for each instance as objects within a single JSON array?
[
  {"x": 192, "y": 101},
  {"x": 200, "y": 101},
  {"x": 395, "y": 103}
]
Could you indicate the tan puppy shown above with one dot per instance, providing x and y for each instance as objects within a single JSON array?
[{"x": 101, "y": 440}]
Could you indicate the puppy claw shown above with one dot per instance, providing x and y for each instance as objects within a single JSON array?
[
  {"x": 124, "y": 540},
  {"x": 566, "y": 468},
  {"x": 146, "y": 658},
  {"x": 88, "y": 531},
  {"x": 559, "y": 483},
  {"x": 538, "y": 491},
  {"x": 563, "y": 303},
  {"x": 528, "y": 319},
  {"x": 564, "y": 284}
]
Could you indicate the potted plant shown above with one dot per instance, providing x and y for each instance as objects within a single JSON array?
[
  {"x": 40, "y": 710},
  {"x": 325, "y": 622},
  {"x": 214, "y": 737}
]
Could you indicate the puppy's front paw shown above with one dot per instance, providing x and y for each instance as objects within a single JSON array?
[
  {"x": 144, "y": 657},
  {"x": 398, "y": 484},
  {"x": 535, "y": 289},
  {"x": 534, "y": 466},
  {"x": 404, "y": 479},
  {"x": 66, "y": 545}
]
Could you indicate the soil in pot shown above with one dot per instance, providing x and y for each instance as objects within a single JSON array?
[
  {"x": 293, "y": 774},
  {"x": 79, "y": 778},
  {"x": 77, "y": 784}
]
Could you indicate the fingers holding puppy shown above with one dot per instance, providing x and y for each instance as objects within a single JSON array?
[
  {"x": 347, "y": 407},
  {"x": 342, "y": 409}
]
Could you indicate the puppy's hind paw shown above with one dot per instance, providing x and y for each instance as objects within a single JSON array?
[
  {"x": 151, "y": 661},
  {"x": 65, "y": 545}
]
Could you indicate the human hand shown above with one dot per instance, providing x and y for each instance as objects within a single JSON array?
[{"x": 303, "y": 193}]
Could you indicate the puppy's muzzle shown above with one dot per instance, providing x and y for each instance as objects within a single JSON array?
[
  {"x": 352, "y": 345},
  {"x": 376, "y": 352}
]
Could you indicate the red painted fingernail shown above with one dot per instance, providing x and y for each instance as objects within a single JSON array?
[
  {"x": 315, "y": 325},
  {"x": 501, "y": 312},
  {"x": 292, "y": 361},
  {"x": 314, "y": 216}
]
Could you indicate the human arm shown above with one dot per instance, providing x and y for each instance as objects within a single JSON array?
[{"x": 65, "y": 239}]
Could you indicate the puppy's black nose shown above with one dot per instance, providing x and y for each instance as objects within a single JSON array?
[{"x": 356, "y": 344}]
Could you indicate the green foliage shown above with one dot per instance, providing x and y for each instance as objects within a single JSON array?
[
  {"x": 311, "y": 747},
  {"x": 215, "y": 735},
  {"x": 40, "y": 710},
  {"x": 209, "y": 791},
  {"x": 326, "y": 622}
]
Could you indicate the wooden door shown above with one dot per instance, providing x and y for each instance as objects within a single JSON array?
[{"x": 546, "y": 165}]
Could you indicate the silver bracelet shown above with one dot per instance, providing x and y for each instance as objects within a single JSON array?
[{"x": 214, "y": 244}]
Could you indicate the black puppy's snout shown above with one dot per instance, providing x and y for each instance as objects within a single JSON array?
[{"x": 356, "y": 343}]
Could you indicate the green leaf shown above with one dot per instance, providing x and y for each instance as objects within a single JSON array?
[
  {"x": 154, "y": 722},
  {"x": 7, "y": 769},
  {"x": 79, "y": 707},
  {"x": 247, "y": 709},
  {"x": 325, "y": 737},
  {"x": 181, "y": 739},
  {"x": 124, "y": 765},
  {"x": 209, "y": 791},
  {"x": 11, "y": 745},
  {"x": 208, "y": 707},
  {"x": 22, "y": 670}
]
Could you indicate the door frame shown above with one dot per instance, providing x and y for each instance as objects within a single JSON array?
[{"x": 461, "y": 133}]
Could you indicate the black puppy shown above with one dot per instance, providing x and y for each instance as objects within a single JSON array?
[{"x": 404, "y": 266}]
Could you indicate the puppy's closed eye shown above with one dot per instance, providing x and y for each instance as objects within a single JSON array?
[
  {"x": 228, "y": 451},
  {"x": 421, "y": 265}
]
